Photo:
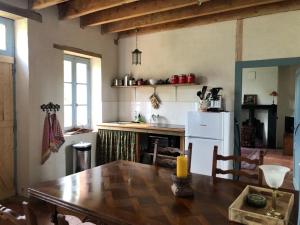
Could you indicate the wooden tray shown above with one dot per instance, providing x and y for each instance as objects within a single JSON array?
[{"x": 240, "y": 212}]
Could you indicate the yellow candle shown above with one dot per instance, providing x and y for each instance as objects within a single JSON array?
[{"x": 181, "y": 166}]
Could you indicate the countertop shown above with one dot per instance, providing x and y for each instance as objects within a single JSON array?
[{"x": 170, "y": 129}]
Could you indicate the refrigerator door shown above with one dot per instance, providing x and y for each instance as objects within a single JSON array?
[
  {"x": 202, "y": 155},
  {"x": 205, "y": 125}
]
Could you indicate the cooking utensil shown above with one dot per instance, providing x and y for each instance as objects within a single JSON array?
[
  {"x": 204, "y": 88},
  {"x": 131, "y": 82}
]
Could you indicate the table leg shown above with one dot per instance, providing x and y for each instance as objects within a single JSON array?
[{"x": 54, "y": 216}]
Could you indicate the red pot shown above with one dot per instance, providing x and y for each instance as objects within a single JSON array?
[
  {"x": 182, "y": 79},
  {"x": 191, "y": 78},
  {"x": 174, "y": 79}
]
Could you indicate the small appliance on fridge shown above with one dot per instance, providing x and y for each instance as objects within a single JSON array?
[{"x": 205, "y": 130}]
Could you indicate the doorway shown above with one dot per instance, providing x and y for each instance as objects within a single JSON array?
[
  {"x": 7, "y": 114},
  {"x": 264, "y": 111}
]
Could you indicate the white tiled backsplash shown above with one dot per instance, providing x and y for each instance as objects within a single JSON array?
[
  {"x": 175, "y": 103},
  {"x": 169, "y": 112}
]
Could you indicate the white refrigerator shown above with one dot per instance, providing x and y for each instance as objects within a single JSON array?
[{"x": 205, "y": 130}]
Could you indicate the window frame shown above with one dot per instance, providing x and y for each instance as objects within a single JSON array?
[
  {"x": 74, "y": 60},
  {"x": 9, "y": 25}
]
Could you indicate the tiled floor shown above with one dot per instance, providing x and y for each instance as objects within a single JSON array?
[{"x": 274, "y": 156}]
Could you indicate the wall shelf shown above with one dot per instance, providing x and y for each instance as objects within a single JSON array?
[{"x": 158, "y": 85}]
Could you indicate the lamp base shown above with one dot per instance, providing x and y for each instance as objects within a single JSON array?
[
  {"x": 181, "y": 186},
  {"x": 274, "y": 213}
]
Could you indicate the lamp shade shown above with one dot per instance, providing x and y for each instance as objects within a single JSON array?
[
  {"x": 274, "y": 174},
  {"x": 274, "y": 93},
  {"x": 136, "y": 57}
]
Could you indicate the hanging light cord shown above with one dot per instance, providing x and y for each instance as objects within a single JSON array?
[{"x": 136, "y": 41}]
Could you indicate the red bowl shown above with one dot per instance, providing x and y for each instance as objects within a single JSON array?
[
  {"x": 174, "y": 79},
  {"x": 182, "y": 79}
]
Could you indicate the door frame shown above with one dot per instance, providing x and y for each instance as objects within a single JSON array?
[{"x": 239, "y": 66}]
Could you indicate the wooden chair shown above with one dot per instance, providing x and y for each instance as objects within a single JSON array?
[
  {"x": 17, "y": 219},
  {"x": 71, "y": 220},
  {"x": 238, "y": 159},
  {"x": 164, "y": 156}
]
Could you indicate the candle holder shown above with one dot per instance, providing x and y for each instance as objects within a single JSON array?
[
  {"x": 274, "y": 176},
  {"x": 181, "y": 186}
]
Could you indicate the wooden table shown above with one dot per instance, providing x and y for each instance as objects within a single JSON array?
[{"x": 131, "y": 193}]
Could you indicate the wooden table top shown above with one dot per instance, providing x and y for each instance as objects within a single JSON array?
[
  {"x": 168, "y": 129},
  {"x": 131, "y": 193}
]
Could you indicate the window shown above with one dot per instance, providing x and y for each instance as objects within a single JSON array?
[
  {"x": 77, "y": 94},
  {"x": 6, "y": 36}
]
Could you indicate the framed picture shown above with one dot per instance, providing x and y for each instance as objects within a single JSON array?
[{"x": 250, "y": 99}]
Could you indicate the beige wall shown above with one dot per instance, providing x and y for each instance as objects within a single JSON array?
[
  {"x": 208, "y": 51},
  {"x": 40, "y": 80},
  {"x": 272, "y": 36}
]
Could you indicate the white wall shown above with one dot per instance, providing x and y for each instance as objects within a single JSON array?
[
  {"x": 42, "y": 82},
  {"x": 22, "y": 99},
  {"x": 286, "y": 99},
  {"x": 260, "y": 81},
  {"x": 193, "y": 49}
]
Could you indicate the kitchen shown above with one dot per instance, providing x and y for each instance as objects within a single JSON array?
[{"x": 182, "y": 56}]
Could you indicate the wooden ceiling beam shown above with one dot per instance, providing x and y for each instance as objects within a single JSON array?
[
  {"x": 285, "y": 6},
  {"x": 208, "y": 8},
  {"x": 77, "y": 8},
  {"x": 41, "y": 4},
  {"x": 132, "y": 10}
]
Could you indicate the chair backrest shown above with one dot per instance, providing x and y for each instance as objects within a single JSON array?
[
  {"x": 238, "y": 159},
  {"x": 165, "y": 155},
  {"x": 17, "y": 219}
]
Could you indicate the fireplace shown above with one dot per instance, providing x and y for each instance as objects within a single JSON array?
[
  {"x": 252, "y": 133},
  {"x": 252, "y": 130}
]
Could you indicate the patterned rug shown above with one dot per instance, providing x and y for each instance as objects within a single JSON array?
[{"x": 250, "y": 153}]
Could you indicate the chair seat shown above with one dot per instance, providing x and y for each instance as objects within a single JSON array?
[{"x": 73, "y": 220}]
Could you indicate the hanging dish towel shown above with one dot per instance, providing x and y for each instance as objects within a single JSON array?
[
  {"x": 58, "y": 137},
  {"x": 47, "y": 138},
  {"x": 52, "y": 137}
]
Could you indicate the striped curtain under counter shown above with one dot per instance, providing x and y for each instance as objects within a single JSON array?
[{"x": 115, "y": 145}]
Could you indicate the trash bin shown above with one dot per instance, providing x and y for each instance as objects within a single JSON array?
[{"x": 82, "y": 156}]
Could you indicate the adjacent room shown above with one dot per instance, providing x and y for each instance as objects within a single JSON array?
[{"x": 157, "y": 112}]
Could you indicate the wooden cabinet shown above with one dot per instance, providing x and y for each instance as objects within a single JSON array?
[{"x": 288, "y": 144}]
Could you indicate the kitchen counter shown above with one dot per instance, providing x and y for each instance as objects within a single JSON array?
[
  {"x": 167, "y": 129},
  {"x": 139, "y": 128}
]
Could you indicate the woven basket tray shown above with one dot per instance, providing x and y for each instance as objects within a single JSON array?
[{"x": 240, "y": 212}]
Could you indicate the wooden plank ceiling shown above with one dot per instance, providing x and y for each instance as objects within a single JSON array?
[{"x": 126, "y": 16}]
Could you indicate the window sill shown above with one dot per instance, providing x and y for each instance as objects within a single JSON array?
[{"x": 77, "y": 132}]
